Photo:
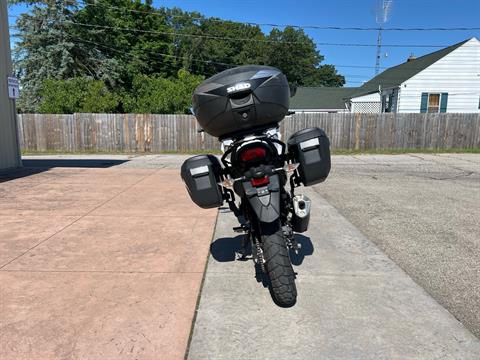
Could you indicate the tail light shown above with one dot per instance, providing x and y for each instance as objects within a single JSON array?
[
  {"x": 253, "y": 154},
  {"x": 260, "y": 181}
]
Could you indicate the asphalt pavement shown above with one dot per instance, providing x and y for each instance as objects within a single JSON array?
[{"x": 423, "y": 211}]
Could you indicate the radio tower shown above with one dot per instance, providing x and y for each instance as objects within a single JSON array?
[{"x": 382, "y": 14}]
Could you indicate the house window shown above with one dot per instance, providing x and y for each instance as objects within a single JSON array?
[{"x": 433, "y": 103}]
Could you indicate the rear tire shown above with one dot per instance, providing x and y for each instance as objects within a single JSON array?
[{"x": 279, "y": 269}]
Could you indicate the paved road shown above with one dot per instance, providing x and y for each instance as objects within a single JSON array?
[
  {"x": 98, "y": 262},
  {"x": 354, "y": 303},
  {"x": 423, "y": 211}
]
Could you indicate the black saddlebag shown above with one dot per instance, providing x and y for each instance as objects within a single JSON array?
[
  {"x": 311, "y": 149},
  {"x": 201, "y": 175}
]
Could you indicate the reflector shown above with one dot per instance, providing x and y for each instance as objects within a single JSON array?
[{"x": 261, "y": 181}]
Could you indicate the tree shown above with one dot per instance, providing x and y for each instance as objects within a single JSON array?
[
  {"x": 105, "y": 26},
  {"x": 78, "y": 94},
  {"x": 157, "y": 95},
  {"x": 325, "y": 75},
  {"x": 216, "y": 44},
  {"x": 292, "y": 51},
  {"x": 131, "y": 46},
  {"x": 44, "y": 49}
]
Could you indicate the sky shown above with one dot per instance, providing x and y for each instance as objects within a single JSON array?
[{"x": 348, "y": 13}]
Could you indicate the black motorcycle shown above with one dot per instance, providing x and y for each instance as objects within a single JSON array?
[{"x": 242, "y": 107}]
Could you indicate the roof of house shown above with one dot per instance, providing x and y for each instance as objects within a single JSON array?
[
  {"x": 321, "y": 97},
  {"x": 394, "y": 76}
]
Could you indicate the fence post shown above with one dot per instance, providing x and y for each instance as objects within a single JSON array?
[{"x": 358, "y": 122}]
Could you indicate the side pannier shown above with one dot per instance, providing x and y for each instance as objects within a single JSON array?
[
  {"x": 201, "y": 175},
  {"x": 311, "y": 149}
]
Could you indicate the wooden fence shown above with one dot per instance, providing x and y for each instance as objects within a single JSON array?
[{"x": 142, "y": 133}]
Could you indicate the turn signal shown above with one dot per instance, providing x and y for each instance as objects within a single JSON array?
[
  {"x": 227, "y": 183},
  {"x": 289, "y": 168}
]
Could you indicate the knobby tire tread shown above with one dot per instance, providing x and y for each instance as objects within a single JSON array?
[{"x": 279, "y": 269}]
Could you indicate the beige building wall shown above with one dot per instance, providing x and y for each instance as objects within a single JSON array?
[{"x": 9, "y": 146}]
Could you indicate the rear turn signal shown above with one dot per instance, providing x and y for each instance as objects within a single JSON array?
[
  {"x": 227, "y": 183},
  {"x": 289, "y": 168},
  {"x": 261, "y": 181}
]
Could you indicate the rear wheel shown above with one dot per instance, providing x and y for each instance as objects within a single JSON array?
[{"x": 279, "y": 268}]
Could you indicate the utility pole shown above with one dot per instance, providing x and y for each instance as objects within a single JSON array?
[
  {"x": 379, "y": 50},
  {"x": 9, "y": 145}
]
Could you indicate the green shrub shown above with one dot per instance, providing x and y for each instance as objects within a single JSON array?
[
  {"x": 157, "y": 95},
  {"x": 76, "y": 95}
]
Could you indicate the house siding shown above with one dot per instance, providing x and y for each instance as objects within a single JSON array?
[
  {"x": 457, "y": 74},
  {"x": 366, "y": 104}
]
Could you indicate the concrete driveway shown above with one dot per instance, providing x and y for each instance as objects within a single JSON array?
[
  {"x": 353, "y": 303},
  {"x": 98, "y": 262}
]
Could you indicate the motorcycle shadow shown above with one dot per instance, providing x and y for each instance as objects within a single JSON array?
[
  {"x": 305, "y": 250},
  {"x": 227, "y": 249}
]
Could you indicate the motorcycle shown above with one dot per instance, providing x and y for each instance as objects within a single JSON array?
[{"x": 243, "y": 106}]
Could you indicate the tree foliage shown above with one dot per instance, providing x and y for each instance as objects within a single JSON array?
[
  {"x": 44, "y": 50},
  {"x": 78, "y": 94},
  {"x": 154, "y": 94},
  {"x": 148, "y": 59}
]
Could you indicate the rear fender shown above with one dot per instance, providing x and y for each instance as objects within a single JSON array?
[{"x": 265, "y": 200}]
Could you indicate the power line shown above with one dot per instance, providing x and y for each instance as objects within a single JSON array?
[
  {"x": 315, "y": 27},
  {"x": 177, "y": 33},
  {"x": 152, "y": 52},
  {"x": 104, "y": 27},
  {"x": 215, "y": 37},
  {"x": 170, "y": 56},
  {"x": 161, "y": 54}
]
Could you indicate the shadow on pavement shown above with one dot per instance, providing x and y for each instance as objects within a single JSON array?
[
  {"x": 225, "y": 249},
  {"x": 306, "y": 249},
  {"x": 67, "y": 163},
  {"x": 36, "y": 166}
]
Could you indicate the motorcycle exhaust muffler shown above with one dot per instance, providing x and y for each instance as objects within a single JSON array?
[{"x": 301, "y": 213}]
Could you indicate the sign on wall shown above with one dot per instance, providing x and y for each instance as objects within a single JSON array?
[{"x": 13, "y": 88}]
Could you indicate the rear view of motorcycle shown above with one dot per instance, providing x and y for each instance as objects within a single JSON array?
[{"x": 243, "y": 107}]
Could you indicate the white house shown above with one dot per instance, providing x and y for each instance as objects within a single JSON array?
[{"x": 447, "y": 80}]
